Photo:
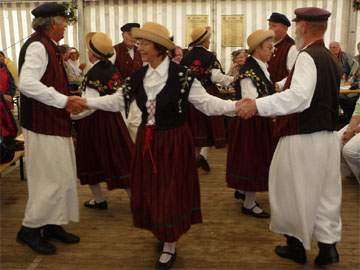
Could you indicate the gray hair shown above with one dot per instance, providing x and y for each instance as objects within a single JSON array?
[{"x": 44, "y": 24}]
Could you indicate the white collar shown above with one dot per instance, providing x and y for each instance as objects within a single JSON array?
[
  {"x": 262, "y": 64},
  {"x": 160, "y": 69}
]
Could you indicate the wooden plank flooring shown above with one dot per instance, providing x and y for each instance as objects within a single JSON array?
[{"x": 226, "y": 240}]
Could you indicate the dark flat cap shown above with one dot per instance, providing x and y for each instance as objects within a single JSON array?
[
  {"x": 127, "y": 27},
  {"x": 49, "y": 10},
  {"x": 312, "y": 14},
  {"x": 279, "y": 18}
]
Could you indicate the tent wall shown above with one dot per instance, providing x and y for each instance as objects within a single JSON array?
[{"x": 109, "y": 15}]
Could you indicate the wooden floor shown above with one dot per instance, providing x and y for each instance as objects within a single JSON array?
[{"x": 226, "y": 240}]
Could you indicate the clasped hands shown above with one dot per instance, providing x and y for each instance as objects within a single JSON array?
[
  {"x": 246, "y": 108},
  {"x": 76, "y": 104}
]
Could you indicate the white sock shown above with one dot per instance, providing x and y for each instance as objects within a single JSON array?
[
  {"x": 249, "y": 202},
  {"x": 97, "y": 193},
  {"x": 168, "y": 247},
  {"x": 204, "y": 151}
]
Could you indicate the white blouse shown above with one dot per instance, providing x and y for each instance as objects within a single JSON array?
[
  {"x": 154, "y": 82},
  {"x": 248, "y": 89}
]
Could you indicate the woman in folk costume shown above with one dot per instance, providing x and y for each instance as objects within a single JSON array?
[
  {"x": 207, "y": 131},
  {"x": 104, "y": 147},
  {"x": 251, "y": 144},
  {"x": 165, "y": 194}
]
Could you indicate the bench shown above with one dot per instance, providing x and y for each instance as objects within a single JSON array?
[{"x": 19, "y": 155}]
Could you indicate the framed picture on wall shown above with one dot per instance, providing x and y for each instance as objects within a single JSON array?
[{"x": 232, "y": 30}]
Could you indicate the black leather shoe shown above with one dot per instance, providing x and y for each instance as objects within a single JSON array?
[
  {"x": 56, "y": 232},
  {"x": 239, "y": 196},
  {"x": 94, "y": 205},
  {"x": 250, "y": 212},
  {"x": 202, "y": 162},
  {"x": 294, "y": 250},
  {"x": 168, "y": 264},
  {"x": 327, "y": 254},
  {"x": 32, "y": 238}
]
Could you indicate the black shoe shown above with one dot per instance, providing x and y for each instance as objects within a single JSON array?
[
  {"x": 32, "y": 238},
  {"x": 58, "y": 233},
  {"x": 202, "y": 162},
  {"x": 327, "y": 254},
  {"x": 294, "y": 250},
  {"x": 250, "y": 212},
  {"x": 168, "y": 264},
  {"x": 94, "y": 205},
  {"x": 239, "y": 195}
]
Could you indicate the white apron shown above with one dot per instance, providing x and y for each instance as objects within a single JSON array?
[
  {"x": 305, "y": 187},
  {"x": 51, "y": 177}
]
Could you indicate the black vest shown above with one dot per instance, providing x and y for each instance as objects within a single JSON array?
[
  {"x": 171, "y": 102},
  {"x": 253, "y": 71},
  {"x": 323, "y": 111},
  {"x": 201, "y": 62}
]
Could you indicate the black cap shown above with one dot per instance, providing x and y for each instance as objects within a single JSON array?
[
  {"x": 127, "y": 27},
  {"x": 279, "y": 18},
  {"x": 311, "y": 14},
  {"x": 49, "y": 10}
]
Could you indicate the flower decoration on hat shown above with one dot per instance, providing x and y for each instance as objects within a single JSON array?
[{"x": 71, "y": 11}]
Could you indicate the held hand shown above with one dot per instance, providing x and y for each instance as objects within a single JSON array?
[
  {"x": 246, "y": 108},
  {"x": 75, "y": 104},
  {"x": 347, "y": 135}
]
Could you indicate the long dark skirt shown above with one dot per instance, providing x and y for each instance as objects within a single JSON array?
[
  {"x": 104, "y": 150},
  {"x": 251, "y": 147},
  {"x": 207, "y": 130},
  {"x": 165, "y": 192}
]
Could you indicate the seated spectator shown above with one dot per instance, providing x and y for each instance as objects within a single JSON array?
[
  {"x": 8, "y": 132},
  {"x": 342, "y": 57},
  {"x": 74, "y": 69},
  {"x": 355, "y": 71},
  {"x": 7, "y": 85},
  {"x": 176, "y": 55},
  {"x": 238, "y": 60},
  {"x": 350, "y": 141},
  {"x": 11, "y": 67}
]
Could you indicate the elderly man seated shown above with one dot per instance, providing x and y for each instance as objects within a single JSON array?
[{"x": 350, "y": 141}]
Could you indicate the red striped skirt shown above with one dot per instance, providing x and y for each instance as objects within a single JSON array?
[
  {"x": 206, "y": 130},
  {"x": 104, "y": 150},
  {"x": 165, "y": 191},
  {"x": 250, "y": 150}
]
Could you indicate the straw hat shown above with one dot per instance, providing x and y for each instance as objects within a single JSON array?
[
  {"x": 154, "y": 32},
  {"x": 199, "y": 35},
  {"x": 99, "y": 44},
  {"x": 257, "y": 37}
]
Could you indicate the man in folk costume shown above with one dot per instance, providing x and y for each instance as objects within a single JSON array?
[
  {"x": 304, "y": 177},
  {"x": 128, "y": 60},
  {"x": 45, "y": 119},
  {"x": 207, "y": 131},
  {"x": 285, "y": 51},
  {"x": 127, "y": 57}
]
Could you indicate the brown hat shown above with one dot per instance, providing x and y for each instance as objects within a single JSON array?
[
  {"x": 257, "y": 37},
  {"x": 312, "y": 14},
  {"x": 154, "y": 32},
  {"x": 99, "y": 44},
  {"x": 199, "y": 35}
]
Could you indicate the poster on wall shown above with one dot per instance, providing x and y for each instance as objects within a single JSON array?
[
  {"x": 192, "y": 22},
  {"x": 232, "y": 30}
]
